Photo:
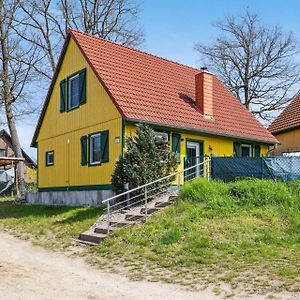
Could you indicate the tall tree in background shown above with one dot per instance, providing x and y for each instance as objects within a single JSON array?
[
  {"x": 47, "y": 23},
  {"x": 256, "y": 63},
  {"x": 15, "y": 73},
  {"x": 31, "y": 36}
]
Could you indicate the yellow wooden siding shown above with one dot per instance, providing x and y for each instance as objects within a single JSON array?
[
  {"x": 30, "y": 175},
  {"x": 212, "y": 145},
  {"x": 99, "y": 113},
  {"x": 289, "y": 141},
  {"x": 67, "y": 169}
]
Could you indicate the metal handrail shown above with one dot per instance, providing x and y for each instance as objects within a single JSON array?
[
  {"x": 146, "y": 194},
  {"x": 155, "y": 181}
]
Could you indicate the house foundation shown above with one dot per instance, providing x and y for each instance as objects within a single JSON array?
[{"x": 69, "y": 198}]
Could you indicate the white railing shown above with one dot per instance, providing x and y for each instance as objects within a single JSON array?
[{"x": 137, "y": 201}]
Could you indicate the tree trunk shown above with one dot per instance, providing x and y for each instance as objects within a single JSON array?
[
  {"x": 16, "y": 146},
  {"x": 8, "y": 101}
]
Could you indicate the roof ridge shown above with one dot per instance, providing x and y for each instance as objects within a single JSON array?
[{"x": 136, "y": 50}]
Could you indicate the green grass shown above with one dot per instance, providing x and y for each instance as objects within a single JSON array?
[
  {"x": 241, "y": 233},
  {"x": 48, "y": 226},
  {"x": 219, "y": 231}
]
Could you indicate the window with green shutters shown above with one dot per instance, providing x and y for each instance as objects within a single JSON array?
[
  {"x": 176, "y": 143},
  {"x": 104, "y": 153},
  {"x": 73, "y": 91},
  {"x": 257, "y": 150},
  {"x": 95, "y": 148},
  {"x": 246, "y": 150},
  {"x": 63, "y": 100},
  {"x": 84, "y": 158},
  {"x": 237, "y": 149}
]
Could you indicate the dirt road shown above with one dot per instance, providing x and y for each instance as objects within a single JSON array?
[{"x": 29, "y": 272}]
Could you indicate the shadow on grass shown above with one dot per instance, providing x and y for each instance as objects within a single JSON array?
[
  {"x": 82, "y": 215},
  {"x": 9, "y": 210}
]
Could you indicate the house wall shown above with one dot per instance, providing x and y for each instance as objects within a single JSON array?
[
  {"x": 212, "y": 145},
  {"x": 61, "y": 132},
  {"x": 30, "y": 171},
  {"x": 289, "y": 141}
]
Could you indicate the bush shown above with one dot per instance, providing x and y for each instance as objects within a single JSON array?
[{"x": 146, "y": 159}]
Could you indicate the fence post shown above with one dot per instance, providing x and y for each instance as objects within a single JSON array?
[
  {"x": 108, "y": 218},
  {"x": 208, "y": 168},
  {"x": 146, "y": 203}
]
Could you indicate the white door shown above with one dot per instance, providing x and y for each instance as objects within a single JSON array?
[{"x": 193, "y": 158}]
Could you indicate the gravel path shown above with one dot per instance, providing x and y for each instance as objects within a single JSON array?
[{"x": 29, "y": 272}]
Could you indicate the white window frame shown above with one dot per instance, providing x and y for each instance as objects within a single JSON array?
[
  {"x": 161, "y": 135},
  {"x": 48, "y": 153},
  {"x": 246, "y": 146},
  {"x": 91, "y": 149},
  {"x": 76, "y": 76}
]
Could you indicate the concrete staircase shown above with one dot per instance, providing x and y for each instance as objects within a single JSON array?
[{"x": 125, "y": 218}]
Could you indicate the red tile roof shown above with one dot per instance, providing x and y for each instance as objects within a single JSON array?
[
  {"x": 148, "y": 88},
  {"x": 289, "y": 118}
]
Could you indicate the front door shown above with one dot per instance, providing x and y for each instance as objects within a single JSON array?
[{"x": 194, "y": 156}]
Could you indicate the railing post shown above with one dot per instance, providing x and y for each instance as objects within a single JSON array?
[
  {"x": 179, "y": 180},
  {"x": 146, "y": 203},
  {"x": 209, "y": 168},
  {"x": 108, "y": 217}
]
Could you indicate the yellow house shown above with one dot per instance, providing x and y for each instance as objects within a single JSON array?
[
  {"x": 101, "y": 90},
  {"x": 286, "y": 128}
]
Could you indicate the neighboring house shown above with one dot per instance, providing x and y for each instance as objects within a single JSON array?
[
  {"x": 101, "y": 90},
  {"x": 6, "y": 150},
  {"x": 286, "y": 128}
]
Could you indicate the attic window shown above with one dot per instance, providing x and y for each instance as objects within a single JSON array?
[{"x": 74, "y": 91}]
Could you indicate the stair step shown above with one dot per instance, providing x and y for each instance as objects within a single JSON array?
[
  {"x": 92, "y": 237},
  {"x": 150, "y": 210},
  {"x": 121, "y": 224},
  {"x": 103, "y": 229},
  {"x": 172, "y": 198},
  {"x": 162, "y": 204},
  {"x": 85, "y": 242},
  {"x": 135, "y": 217}
]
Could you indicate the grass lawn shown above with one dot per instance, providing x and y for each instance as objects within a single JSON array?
[
  {"x": 245, "y": 233},
  {"x": 48, "y": 226}
]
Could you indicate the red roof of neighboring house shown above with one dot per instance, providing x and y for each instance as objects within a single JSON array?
[
  {"x": 148, "y": 88},
  {"x": 289, "y": 118}
]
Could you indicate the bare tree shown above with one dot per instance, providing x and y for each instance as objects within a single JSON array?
[
  {"x": 47, "y": 23},
  {"x": 256, "y": 62},
  {"x": 15, "y": 72}
]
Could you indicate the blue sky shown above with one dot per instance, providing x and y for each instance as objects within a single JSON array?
[{"x": 173, "y": 27}]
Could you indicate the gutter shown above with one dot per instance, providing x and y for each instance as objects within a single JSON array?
[{"x": 203, "y": 132}]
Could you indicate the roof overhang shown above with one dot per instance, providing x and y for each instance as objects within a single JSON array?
[{"x": 204, "y": 132}]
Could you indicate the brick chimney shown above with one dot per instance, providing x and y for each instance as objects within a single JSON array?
[{"x": 204, "y": 92}]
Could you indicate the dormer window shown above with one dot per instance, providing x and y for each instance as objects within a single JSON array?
[{"x": 74, "y": 97}]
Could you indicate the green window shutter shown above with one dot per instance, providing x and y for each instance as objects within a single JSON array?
[
  {"x": 257, "y": 151},
  {"x": 82, "y": 86},
  {"x": 63, "y": 98},
  {"x": 83, "y": 142},
  {"x": 176, "y": 143},
  {"x": 104, "y": 147},
  {"x": 237, "y": 149}
]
